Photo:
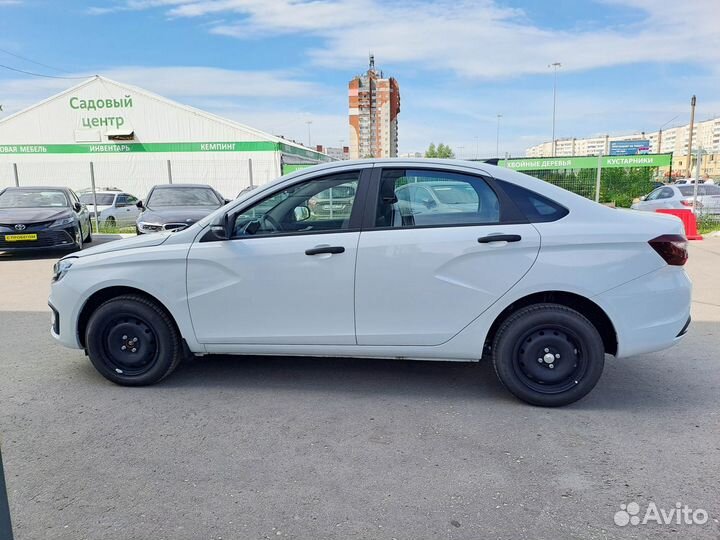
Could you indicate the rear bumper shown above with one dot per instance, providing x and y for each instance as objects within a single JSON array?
[{"x": 649, "y": 313}]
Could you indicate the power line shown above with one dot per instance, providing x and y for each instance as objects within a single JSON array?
[
  {"x": 33, "y": 61},
  {"x": 39, "y": 74}
]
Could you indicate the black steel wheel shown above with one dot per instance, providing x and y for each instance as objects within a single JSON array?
[
  {"x": 548, "y": 354},
  {"x": 132, "y": 341}
]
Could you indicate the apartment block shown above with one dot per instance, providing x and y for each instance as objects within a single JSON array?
[
  {"x": 374, "y": 104},
  {"x": 706, "y": 135}
]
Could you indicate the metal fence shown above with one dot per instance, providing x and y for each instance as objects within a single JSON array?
[
  {"x": 136, "y": 177},
  {"x": 621, "y": 186}
]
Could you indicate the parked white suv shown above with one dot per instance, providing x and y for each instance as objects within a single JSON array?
[{"x": 541, "y": 280}]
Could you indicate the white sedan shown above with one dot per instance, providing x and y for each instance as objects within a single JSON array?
[{"x": 540, "y": 280}]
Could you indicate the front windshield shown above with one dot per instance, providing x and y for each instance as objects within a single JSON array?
[
  {"x": 33, "y": 198},
  {"x": 183, "y": 197},
  {"x": 103, "y": 199}
]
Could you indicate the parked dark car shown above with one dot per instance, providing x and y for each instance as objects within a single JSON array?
[
  {"x": 42, "y": 217},
  {"x": 171, "y": 207}
]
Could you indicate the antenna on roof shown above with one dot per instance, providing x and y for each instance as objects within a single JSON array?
[{"x": 372, "y": 62}]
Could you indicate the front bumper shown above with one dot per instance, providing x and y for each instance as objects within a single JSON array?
[{"x": 62, "y": 237}]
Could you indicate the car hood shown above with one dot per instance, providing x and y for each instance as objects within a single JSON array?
[
  {"x": 176, "y": 214},
  {"x": 32, "y": 215},
  {"x": 142, "y": 241}
]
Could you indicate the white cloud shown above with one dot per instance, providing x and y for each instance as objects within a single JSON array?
[
  {"x": 176, "y": 81},
  {"x": 477, "y": 39}
]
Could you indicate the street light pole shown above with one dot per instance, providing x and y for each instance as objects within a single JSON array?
[
  {"x": 555, "y": 66},
  {"x": 690, "y": 136},
  {"x": 497, "y": 137}
]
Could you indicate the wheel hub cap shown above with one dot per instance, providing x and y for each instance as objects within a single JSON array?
[
  {"x": 548, "y": 360},
  {"x": 130, "y": 344}
]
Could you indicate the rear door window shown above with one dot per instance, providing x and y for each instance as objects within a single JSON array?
[
  {"x": 431, "y": 198},
  {"x": 535, "y": 207}
]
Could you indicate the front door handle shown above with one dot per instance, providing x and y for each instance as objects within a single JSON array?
[
  {"x": 325, "y": 249},
  {"x": 499, "y": 238}
]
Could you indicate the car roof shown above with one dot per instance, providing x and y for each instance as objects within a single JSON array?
[
  {"x": 433, "y": 183},
  {"x": 37, "y": 188},
  {"x": 59, "y": 188},
  {"x": 176, "y": 186}
]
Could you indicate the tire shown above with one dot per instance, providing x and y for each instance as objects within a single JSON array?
[
  {"x": 110, "y": 223},
  {"x": 527, "y": 341},
  {"x": 88, "y": 237},
  {"x": 156, "y": 352},
  {"x": 79, "y": 238}
]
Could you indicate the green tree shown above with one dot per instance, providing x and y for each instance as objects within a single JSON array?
[
  {"x": 445, "y": 152},
  {"x": 441, "y": 151}
]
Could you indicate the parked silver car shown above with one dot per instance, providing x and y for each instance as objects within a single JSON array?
[
  {"x": 681, "y": 197},
  {"x": 422, "y": 200},
  {"x": 115, "y": 208}
]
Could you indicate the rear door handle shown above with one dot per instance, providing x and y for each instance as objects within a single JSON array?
[
  {"x": 499, "y": 238},
  {"x": 325, "y": 249}
]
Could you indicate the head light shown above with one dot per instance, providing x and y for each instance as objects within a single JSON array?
[
  {"x": 61, "y": 267},
  {"x": 148, "y": 227},
  {"x": 63, "y": 221}
]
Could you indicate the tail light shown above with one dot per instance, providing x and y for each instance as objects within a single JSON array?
[
  {"x": 672, "y": 248},
  {"x": 690, "y": 203}
]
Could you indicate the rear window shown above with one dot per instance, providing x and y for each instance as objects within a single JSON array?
[
  {"x": 103, "y": 199},
  {"x": 535, "y": 207}
]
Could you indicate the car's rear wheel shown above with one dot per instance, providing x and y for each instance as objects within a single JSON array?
[
  {"x": 88, "y": 236},
  {"x": 110, "y": 223},
  {"x": 548, "y": 354},
  {"x": 132, "y": 341}
]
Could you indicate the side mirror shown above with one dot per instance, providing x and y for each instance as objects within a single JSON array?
[
  {"x": 227, "y": 201},
  {"x": 139, "y": 204},
  {"x": 77, "y": 206},
  {"x": 222, "y": 228},
  {"x": 301, "y": 213}
]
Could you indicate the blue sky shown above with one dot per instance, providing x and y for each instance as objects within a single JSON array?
[{"x": 628, "y": 65}]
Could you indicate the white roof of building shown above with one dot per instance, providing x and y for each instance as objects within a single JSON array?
[{"x": 147, "y": 94}]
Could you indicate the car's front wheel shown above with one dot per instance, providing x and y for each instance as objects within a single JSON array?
[
  {"x": 132, "y": 341},
  {"x": 548, "y": 355},
  {"x": 79, "y": 238}
]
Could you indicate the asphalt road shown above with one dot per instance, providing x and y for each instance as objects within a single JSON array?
[{"x": 329, "y": 448}]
